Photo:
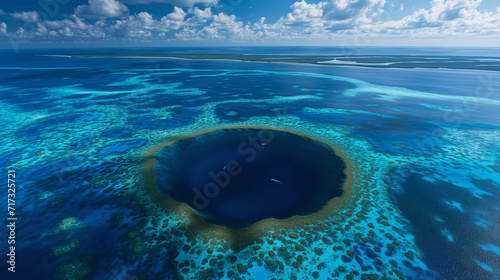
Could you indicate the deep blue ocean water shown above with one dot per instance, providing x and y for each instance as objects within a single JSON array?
[
  {"x": 76, "y": 129},
  {"x": 230, "y": 170}
]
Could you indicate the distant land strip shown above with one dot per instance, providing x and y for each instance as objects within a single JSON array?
[{"x": 373, "y": 61}]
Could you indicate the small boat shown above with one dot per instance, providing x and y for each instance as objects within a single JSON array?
[{"x": 277, "y": 181}]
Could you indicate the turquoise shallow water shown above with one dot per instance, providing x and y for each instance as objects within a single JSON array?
[{"x": 423, "y": 145}]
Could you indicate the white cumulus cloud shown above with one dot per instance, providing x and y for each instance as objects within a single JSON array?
[
  {"x": 75, "y": 26},
  {"x": 334, "y": 14},
  {"x": 441, "y": 11},
  {"x": 177, "y": 15},
  {"x": 325, "y": 21},
  {"x": 182, "y": 3},
  {"x": 3, "y": 28},
  {"x": 200, "y": 16},
  {"x": 445, "y": 18},
  {"x": 305, "y": 14},
  {"x": 101, "y": 9},
  {"x": 219, "y": 27},
  {"x": 349, "y": 9},
  {"x": 146, "y": 19},
  {"x": 26, "y": 16}
]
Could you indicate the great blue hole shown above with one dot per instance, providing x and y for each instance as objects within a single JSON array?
[{"x": 237, "y": 177}]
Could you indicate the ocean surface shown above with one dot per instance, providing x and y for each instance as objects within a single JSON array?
[{"x": 424, "y": 144}]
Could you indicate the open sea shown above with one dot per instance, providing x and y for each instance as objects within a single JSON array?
[{"x": 424, "y": 145}]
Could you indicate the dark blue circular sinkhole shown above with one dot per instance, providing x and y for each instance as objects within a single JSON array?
[{"x": 237, "y": 177}]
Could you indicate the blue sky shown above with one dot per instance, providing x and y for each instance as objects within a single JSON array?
[{"x": 80, "y": 23}]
